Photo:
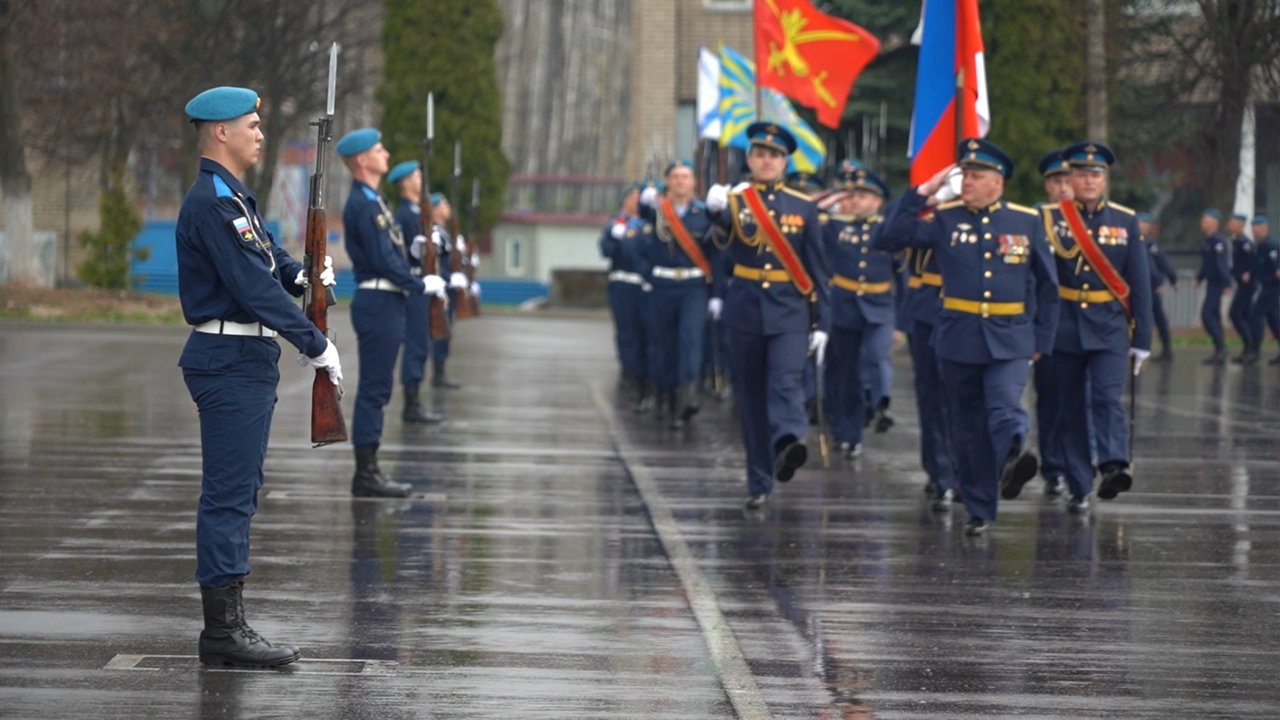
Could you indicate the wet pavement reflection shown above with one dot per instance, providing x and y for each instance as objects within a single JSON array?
[{"x": 564, "y": 558}]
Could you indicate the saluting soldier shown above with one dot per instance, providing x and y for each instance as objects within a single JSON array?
[
  {"x": 1162, "y": 269},
  {"x": 628, "y": 295},
  {"x": 1266, "y": 308},
  {"x": 999, "y": 311},
  {"x": 235, "y": 284},
  {"x": 1057, "y": 187},
  {"x": 407, "y": 179},
  {"x": 1243, "y": 258},
  {"x": 775, "y": 306},
  {"x": 383, "y": 280},
  {"x": 1105, "y": 320},
  {"x": 1216, "y": 276}
]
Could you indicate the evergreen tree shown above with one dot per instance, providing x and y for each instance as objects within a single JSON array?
[{"x": 446, "y": 47}]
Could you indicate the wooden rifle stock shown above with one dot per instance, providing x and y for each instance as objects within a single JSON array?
[{"x": 327, "y": 423}]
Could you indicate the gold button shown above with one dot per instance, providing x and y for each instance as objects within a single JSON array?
[
  {"x": 1084, "y": 305},
  {"x": 862, "y": 264},
  {"x": 862, "y": 278},
  {"x": 986, "y": 236},
  {"x": 985, "y": 309},
  {"x": 764, "y": 284},
  {"x": 1084, "y": 286},
  {"x": 865, "y": 250},
  {"x": 770, "y": 197},
  {"x": 1086, "y": 269},
  {"x": 986, "y": 293},
  {"x": 986, "y": 220},
  {"x": 767, "y": 266},
  {"x": 986, "y": 256},
  {"x": 986, "y": 274}
]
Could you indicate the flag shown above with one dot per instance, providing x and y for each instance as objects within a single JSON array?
[
  {"x": 950, "y": 53},
  {"x": 708, "y": 106},
  {"x": 738, "y": 110},
  {"x": 809, "y": 56}
]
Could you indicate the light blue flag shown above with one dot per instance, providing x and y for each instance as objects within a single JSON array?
[{"x": 738, "y": 110}]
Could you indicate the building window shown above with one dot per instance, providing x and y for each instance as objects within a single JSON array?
[
  {"x": 727, "y": 5},
  {"x": 515, "y": 256}
]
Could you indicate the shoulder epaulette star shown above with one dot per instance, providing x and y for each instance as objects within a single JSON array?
[{"x": 1021, "y": 208}]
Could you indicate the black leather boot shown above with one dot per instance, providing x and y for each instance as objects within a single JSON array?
[
  {"x": 644, "y": 398},
  {"x": 689, "y": 400},
  {"x": 369, "y": 480},
  {"x": 440, "y": 380},
  {"x": 228, "y": 640},
  {"x": 414, "y": 413}
]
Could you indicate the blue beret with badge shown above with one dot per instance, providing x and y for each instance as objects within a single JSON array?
[
  {"x": 436, "y": 198},
  {"x": 222, "y": 103},
  {"x": 1053, "y": 163},
  {"x": 771, "y": 135},
  {"x": 860, "y": 178},
  {"x": 1089, "y": 154},
  {"x": 1259, "y": 219},
  {"x": 357, "y": 141},
  {"x": 676, "y": 164},
  {"x": 979, "y": 153},
  {"x": 1146, "y": 217},
  {"x": 402, "y": 171},
  {"x": 1239, "y": 216},
  {"x": 1213, "y": 213}
]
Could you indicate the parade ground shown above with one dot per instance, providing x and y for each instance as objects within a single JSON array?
[{"x": 563, "y": 557}]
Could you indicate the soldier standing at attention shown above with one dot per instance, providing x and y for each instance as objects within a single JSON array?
[
  {"x": 235, "y": 285},
  {"x": 999, "y": 311},
  {"x": 446, "y": 246},
  {"x": 407, "y": 179},
  {"x": 1266, "y": 308},
  {"x": 1216, "y": 276},
  {"x": 1057, "y": 187},
  {"x": 1243, "y": 259},
  {"x": 1161, "y": 269},
  {"x": 775, "y": 307},
  {"x": 1105, "y": 320},
  {"x": 383, "y": 279}
]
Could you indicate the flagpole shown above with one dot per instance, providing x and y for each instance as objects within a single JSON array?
[{"x": 959, "y": 107}]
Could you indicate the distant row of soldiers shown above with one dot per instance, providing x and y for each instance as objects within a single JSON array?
[{"x": 1252, "y": 266}]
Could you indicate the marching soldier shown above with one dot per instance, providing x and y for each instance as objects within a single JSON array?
[
  {"x": 446, "y": 246},
  {"x": 1216, "y": 276},
  {"x": 1266, "y": 308},
  {"x": 1243, "y": 258},
  {"x": 383, "y": 279},
  {"x": 999, "y": 310},
  {"x": 407, "y": 179},
  {"x": 775, "y": 307},
  {"x": 1057, "y": 187},
  {"x": 1161, "y": 270},
  {"x": 628, "y": 297},
  {"x": 1105, "y": 286}
]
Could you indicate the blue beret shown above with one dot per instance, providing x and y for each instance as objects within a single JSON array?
[
  {"x": 771, "y": 135},
  {"x": 1259, "y": 219},
  {"x": 222, "y": 103},
  {"x": 1146, "y": 217},
  {"x": 436, "y": 198},
  {"x": 675, "y": 164},
  {"x": 847, "y": 165},
  {"x": 976, "y": 152},
  {"x": 862, "y": 179},
  {"x": 1239, "y": 216},
  {"x": 1089, "y": 154},
  {"x": 1053, "y": 163},
  {"x": 1213, "y": 214},
  {"x": 402, "y": 171},
  {"x": 357, "y": 141},
  {"x": 804, "y": 181}
]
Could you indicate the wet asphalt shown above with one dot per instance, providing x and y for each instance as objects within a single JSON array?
[{"x": 565, "y": 558}]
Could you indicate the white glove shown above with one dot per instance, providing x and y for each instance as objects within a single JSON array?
[
  {"x": 717, "y": 197},
  {"x": 714, "y": 306},
  {"x": 475, "y": 260},
  {"x": 327, "y": 360},
  {"x": 419, "y": 242},
  {"x": 818, "y": 344},
  {"x": 462, "y": 243},
  {"x": 326, "y": 276},
  {"x": 475, "y": 289},
  {"x": 458, "y": 281},
  {"x": 740, "y": 186},
  {"x": 1139, "y": 356},
  {"x": 618, "y": 231},
  {"x": 433, "y": 285},
  {"x": 435, "y": 238},
  {"x": 950, "y": 189},
  {"x": 648, "y": 196}
]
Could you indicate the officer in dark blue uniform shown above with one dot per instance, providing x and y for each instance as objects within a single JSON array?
[
  {"x": 1094, "y": 341},
  {"x": 1243, "y": 258},
  {"x": 771, "y": 322},
  {"x": 446, "y": 245},
  {"x": 407, "y": 179},
  {"x": 628, "y": 294},
  {"x": 862, "y": 287},
  {"x": 679, "y": 301},
  {"x": 1057, "y": 187},
  {"x": 383, "y": 280},
  {"x": 1266, "y": 307},
  {"x": 999, "y": 311},
  {"x": 235, "y": 285},
  {"x": 1216, "y": 276},
  {"x": 1161, "y": 270}
]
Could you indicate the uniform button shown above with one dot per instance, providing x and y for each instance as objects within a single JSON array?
[
  {"x": 862, "y": 278},
  {"x": 1086, "y": 269},
  {"x": 986, "y": 236},
  {"x": 864, "y": 249},
  {"x": 770, "y": 197},
  {"x": 1084, "y": 305},
  {"x": 986, "y": 274},
  {"x": 1085, "y": 286},
  {"x": 764, "y": 284},
  {"x": 767, "y": 266},
  {"x": 986, "y": 256},
  {"x": 862, "y": 264},
  {"x": 986, "y": 220},
  {"x": 986, "y": 293}
]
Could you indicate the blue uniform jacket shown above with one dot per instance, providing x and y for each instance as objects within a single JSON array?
[
  {"x": 995, "y": 254},
  {"x": 1087, "y": 326},
  {"x": 1160, "y": 265},
  {"x": 772, "y": 308},
  {"x": 626, "y": 255},
  {"x": 660, "y": 248},
  {"x": 920, "y": 301},
  {"x": 1213, "y": 262},
  {"x": 374, "y": 241},
  {"x": 409, "y": 218},
  {"x": 852, "y": 258},
  {"x": 1268, "y": 262},
  {"x": 1243, "y": 258},
  {"x": 229, "y": 266}
]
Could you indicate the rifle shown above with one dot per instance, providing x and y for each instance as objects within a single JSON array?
[
  {"x": 457, "y": 263},
  {"x": 473, "y": 301},
  {"x": 819, "y": 391},
  {"x": 327, "y": 423},
  {"x": 437, "y": 312}
]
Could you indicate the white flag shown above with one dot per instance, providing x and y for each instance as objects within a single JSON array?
[{"x": 708, "y": 95}]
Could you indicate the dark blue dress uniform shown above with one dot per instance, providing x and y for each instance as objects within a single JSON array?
[
  {"x": 919, "y": 315},
  {"x": 1216, "y": 276},
  {"x": 1243, "y": 259},
  {"x": 999, "y": 308},
  {"x": 769, "y": 320},
  {"x": 1266, "y": 308},
  {"x": 445, "y": 248},
  {"x": 1091, "y": 351},
  {"x": 1162, "y": 270},
  {"x": 417, "y": 331},
  {"x": 1048, "y": 409},
  {"x": 628, "y": 293}
]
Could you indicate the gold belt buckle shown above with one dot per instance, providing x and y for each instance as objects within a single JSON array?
[
  {"x": 1082, "y": 296},
  {"x": 862, "y": 289},
  {"x": 985, "y": 309}
]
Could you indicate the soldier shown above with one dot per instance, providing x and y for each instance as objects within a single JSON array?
[
  {"x": 1216, "y": 276},
  {"x": 446, "y": 246},
  {"x": 407, "y": 179},
  {"x": 1057, "y": 187},
  {"x": 676, "y": 254},
  {"x": 999, "y": 310},
  {"x": 235, "y": 284},
  {"x": 1266, "y": 308},
  {"x": 383, "y": 279},
  {"x": 1243, "y": 258},
  {"x": 628, "y": 299},
  {"x": 1161, "y": 269},
  {"x": 775, "y": 306},
  {"x": 862, "y": 304},
  {"x": 1106, "y": 288}
]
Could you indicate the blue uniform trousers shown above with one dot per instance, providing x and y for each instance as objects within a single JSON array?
[
  {"x": 1049, "y": 418},
  {"x": 378, "y": 319},
  {"x": 236, "y": 395},
  {"x": 629, "y": 304},
  {"x": 417, "y": 338},
  {"x": 767, "y": 372},
  {"x": 1241, "y": 305},
  {"x": 877, "y": 368},
  {"x": 1091, "y": 389},
  {"x": 842, "y": 371},
  {"x": 931, "y": 405},
  {"x": 1161, "y": 319},
  {"x": 1266, "y": 309},
  {"x": 678, "y": 319},
  {"x": 440, "y": 348},
  {"x": 1211, "y": 314},
  {"x": 992, "y": 391},
  {"x": 715, "y": 350}
]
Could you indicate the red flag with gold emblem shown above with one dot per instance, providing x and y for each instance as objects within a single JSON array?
[{"x": 809, "y": 56}]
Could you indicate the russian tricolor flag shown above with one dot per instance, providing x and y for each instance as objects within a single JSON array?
[{"x": 950, "y": 70}]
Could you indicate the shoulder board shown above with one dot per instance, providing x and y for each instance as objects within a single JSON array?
[
  {"x": 875, "y": 219},
  {"x": 369, "y": 193},
  {"x": 1121, "y": 208},
  {"x": 796, "y": 193},
  {"x": 949, "y": 205},
  {"x": 220, "y": 187},
  {"x": 1021, "y": 208},
  {"x": 843, "y": 218}
]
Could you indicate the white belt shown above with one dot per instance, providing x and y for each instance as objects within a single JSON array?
[
  {"x": 626, "y": 277},
  {"x": 677, "y": 273},
  {"x": 225, "y": 327},
  {"x": 380, "y": 284}
]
